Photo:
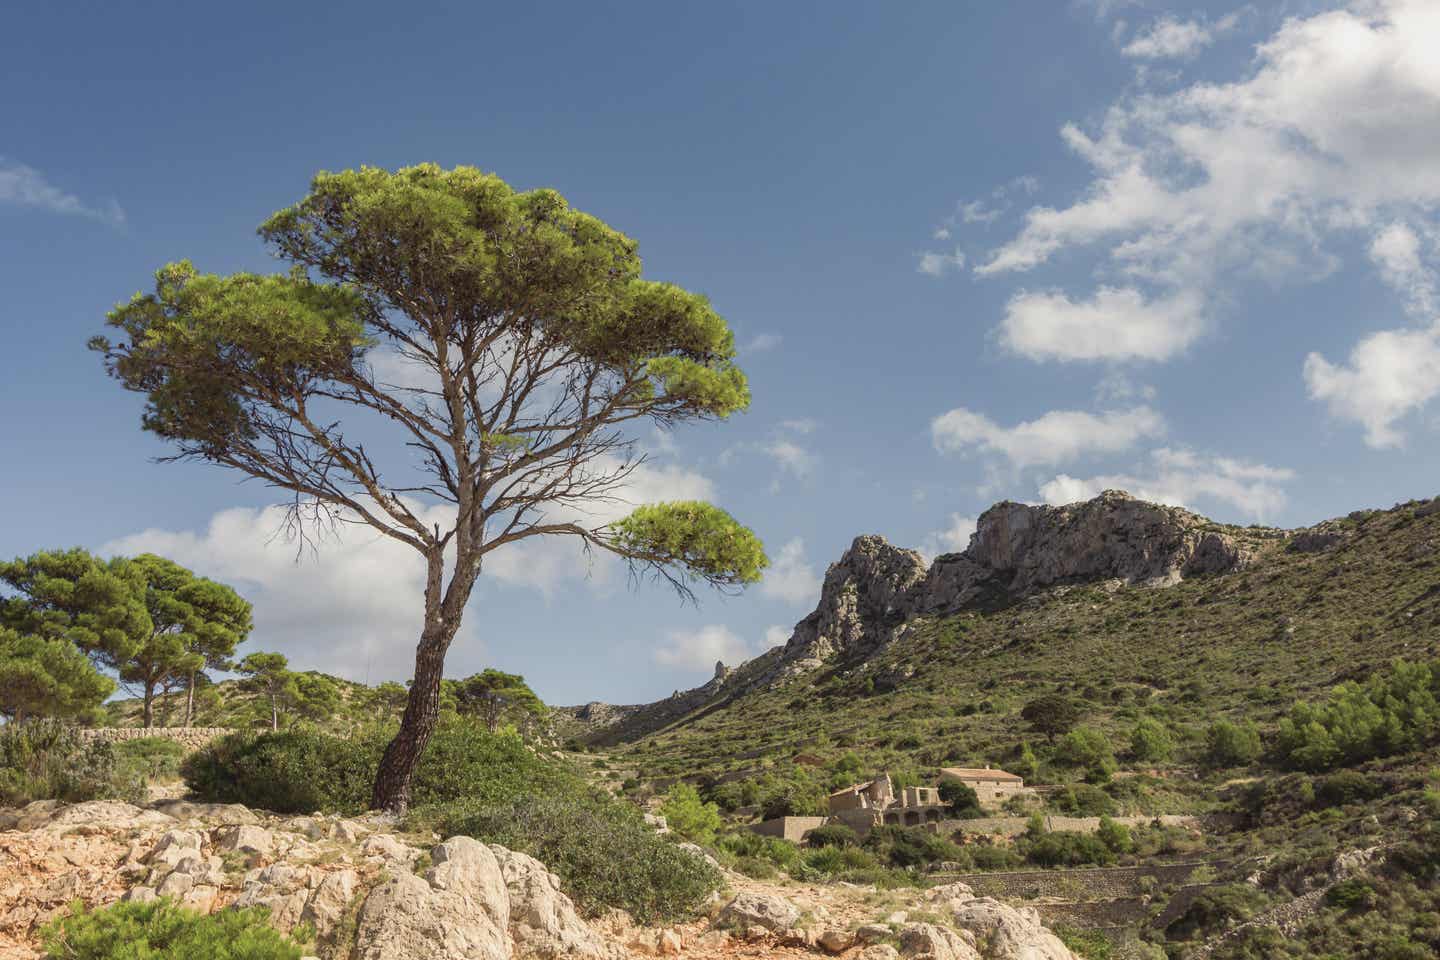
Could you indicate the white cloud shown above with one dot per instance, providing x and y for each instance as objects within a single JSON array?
[
  {"x": 791, "y": 577},
  {"x": 762, "y": 342},
  {"x": 792, "y": 458},
  {"x": 1396, "y": 251},
  {"x": 1114, "y": 324},
  {"x": 800, "y": 425},
  {"x": 352, "y": 604},
  {"x": 24, "y": 186},
  {"x": 701, "y": 649},
  {"x": 777, "y": 636},
  {"x": 1056, "y": 437},
  {"x": 1172, "y": 39},
  {"x": 941, "y": 233},
  {"x": 1388, "y": 375},
  {"x": 953, "y": 539},
  {"x": 939, "y": 264},
  {"x": 354, "y": 601},
  {"x": 1184, "y": 478},
  {"x": 1116, "y": 387}
]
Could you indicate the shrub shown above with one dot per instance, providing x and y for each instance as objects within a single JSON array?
[
  {"x": 1151, "y": 742},
  {"x": 1088, "y": 750},
  {"x": 302, "y": 771},
  {"x": 47, "y": 760},
  {"x": 909, "y": 847},
  {"x": 601, "y": 849},
  {"x": 1346, "y": 787},
  {"x": 1395, "y": 711},
  {"x": 155, "y": 758},
  {"x": 1217, "y": 907},
  {"x": 1051, "y": 715},
  {"x": 1229, "y": 744},
  {"x": 962, "y": 799},
  {"x": 290, "y": 772},
  {"x": 1064, "y": 848},
  {"x": 1115, "y": 836},
  {"x": 1083, "y": 800},
  {"x": 832, "y": 835},
  {"x": 1352, "y": 894},
  {"x": 689, "y": 816},
  {"x": 163, "y": 931}
]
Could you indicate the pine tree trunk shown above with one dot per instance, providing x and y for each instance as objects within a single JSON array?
[
  {"x": 149, "y": 705},
  {"x": 274, "y": 714},
  {"x": 190, "y": 701},
  {"x": 417, "y": 724}
]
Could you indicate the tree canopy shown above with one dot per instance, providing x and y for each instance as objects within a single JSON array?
[
  {"x": 497, "y": 697},
  {"x": 507, "y": 338},
  {"x": 47, "y": 676},
  {"x": 150, "y": 620}
]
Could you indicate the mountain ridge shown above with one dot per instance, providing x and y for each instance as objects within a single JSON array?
[{"x": 876, "y": 591}]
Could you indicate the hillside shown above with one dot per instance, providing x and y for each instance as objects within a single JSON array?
[{"x": 1184, "y": 618}]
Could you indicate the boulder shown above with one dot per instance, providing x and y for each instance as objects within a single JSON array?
[
  {"x": 255, "y": 842},
  {"x": 385, "y": 847},
  {"x": 879, "y": 951},
  {"x": 105, "y": 816},
  {"x": 928, "y": 941},
  {"x": 215, "y": 814},
  {"x": 174, "y": 846},
  {"x": 329, "y": 903},
  {"x": 1010, "y": 934},
  {"x": 543, "y": 921},
  {"x": 835, "y": 940},
  {"x": 771, "y": 913},
  {"x": 460, "y": 909}
]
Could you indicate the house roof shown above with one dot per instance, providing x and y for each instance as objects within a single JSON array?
[
  {"x": 979, "y": 773},
  {"x": 853, "y": 788}
]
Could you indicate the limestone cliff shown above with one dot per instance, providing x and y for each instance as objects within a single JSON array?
[{"x": 875, "y": 588}]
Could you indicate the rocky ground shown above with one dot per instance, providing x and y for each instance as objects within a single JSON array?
[{"x": 371, "y": 893}]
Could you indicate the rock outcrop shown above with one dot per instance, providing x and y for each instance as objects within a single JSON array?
[{"x": 1017, "y": 549}]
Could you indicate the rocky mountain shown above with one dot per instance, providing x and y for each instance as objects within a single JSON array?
[{"x": 876, "y": 590}]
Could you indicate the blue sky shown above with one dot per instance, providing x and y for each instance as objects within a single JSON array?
[{"x": 972, "y": 251}]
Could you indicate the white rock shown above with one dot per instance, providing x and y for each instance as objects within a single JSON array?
[
  {"x": 543, "y": 921},
  {"x": 330, "y": 901},
  {"x": 928, "y": 941},
  {"x": 1011, "y": 934},
  {"x": 460, "y": 909},
  {"x": 775, "y": 914}
]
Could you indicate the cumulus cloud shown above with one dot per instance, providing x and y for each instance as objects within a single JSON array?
[
  {"x": 777, "y": 636},
  {"x": 1057, "y": 437},
  {"x": 1171, "y": 39},
  {"x": 1114, "y": 324},
  {"x": 792, "y": 459},
  {"x": 1397, "y": 252},
  {"x": 701, "y": 649},
  {"x": 1388, "y": 375},
  {"x": 1185, "y": 478},
  {"x": 938, "y": 264},
  {"x": 953, "y": 539},
  {"x": 352, "y": 604},
  {"x": 24, "y": 186},
  {"x": 791, "y": 576}
]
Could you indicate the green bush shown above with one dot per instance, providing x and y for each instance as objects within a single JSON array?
[
  {"x": 290, "y": 772},
  {"x": 690, "y": 817},
  {"x": 1064, "y": 848},
  {"x": 1151, "y": 741},
  {"x": 155, "y": 758},
  {"x": 601, "y": 849},
  {"x": 302, "y": 771},
  {"x": 909, "y": 847},
  {"x": 1229, "y": 744},
  {"x": 47, "y": 760},
  {"x": 961, "y": 798},
  {"x": 1115, "y": 836},
  {"x": 832, "y": 835},
  {"x": 160, "y": 930},
  {"x": 1089, "y": 750},
  {"x": 1083, "y": 800},
  {"x": 1395, "y": 711},
  {"x": 1346, "y": 787}
]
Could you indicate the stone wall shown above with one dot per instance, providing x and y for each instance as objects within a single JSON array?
[
  {"x": 1099, "y": 883},
  {"x": 1014, "y": 826},
  {"x": 192, "y": 738},
  {"x": 788, "y": 828}
]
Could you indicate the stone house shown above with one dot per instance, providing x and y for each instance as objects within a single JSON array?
[
  {"x": 992, "y": 787},
  {"x": 862, "y": 806}
]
